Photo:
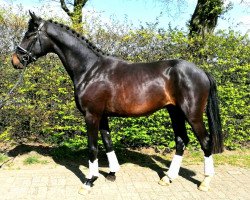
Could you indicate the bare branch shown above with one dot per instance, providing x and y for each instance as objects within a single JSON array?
[
  {"x": 65, "y": 8},
  {"x": 84, "y": 2}
]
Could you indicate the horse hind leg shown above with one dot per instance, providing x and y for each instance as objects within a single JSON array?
[
  {"x": 206, "y": 145},
  {"x": 181, "y": 140},
  {"x": 107, "y": 141}
]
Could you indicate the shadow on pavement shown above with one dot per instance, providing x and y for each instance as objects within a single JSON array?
[{"x": 72, "y": 160}]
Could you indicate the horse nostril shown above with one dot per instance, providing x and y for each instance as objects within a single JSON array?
[{"x": 16, "y": 62}]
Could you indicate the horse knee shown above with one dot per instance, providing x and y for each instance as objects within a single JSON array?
[
  {"x": 93, "y": 153},
  {"x": 106, "y": 138},
  {"x": 181, "y": 144}
]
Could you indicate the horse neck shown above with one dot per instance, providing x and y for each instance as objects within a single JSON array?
[{"x": 74, "y": 53}]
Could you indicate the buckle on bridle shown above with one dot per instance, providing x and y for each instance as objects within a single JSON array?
[
  {"x": 25, "y": 58},
  {"x": 25, "y": 55}
]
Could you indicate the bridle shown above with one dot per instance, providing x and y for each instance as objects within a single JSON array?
[{"x": 25, "y": 55}]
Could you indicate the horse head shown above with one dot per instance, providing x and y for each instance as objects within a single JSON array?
[{"x": 34, "y": 44}]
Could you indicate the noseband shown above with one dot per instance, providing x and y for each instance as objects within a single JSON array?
[{"x": 26, "y": 54}]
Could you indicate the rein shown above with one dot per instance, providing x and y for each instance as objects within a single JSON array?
[
  {"x": 19, "y": 81},
  {"x": 25, "y": 58}
]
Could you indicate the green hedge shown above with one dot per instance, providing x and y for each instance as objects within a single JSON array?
[{"x": 43, "y": 108}]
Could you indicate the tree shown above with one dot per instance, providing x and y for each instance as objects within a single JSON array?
[
  {"x": 205, "y": 17},
  {"x": 76, "y": 13}
]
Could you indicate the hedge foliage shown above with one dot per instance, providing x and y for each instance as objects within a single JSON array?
[{"x": 43, "y": 108}]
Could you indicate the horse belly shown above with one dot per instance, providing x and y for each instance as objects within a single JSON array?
[
  {"x": 139, "y": 103},
  {"x": 141, "y": 109}
]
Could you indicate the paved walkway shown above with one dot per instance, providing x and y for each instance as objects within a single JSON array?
[{"x": 133, "y": 182}]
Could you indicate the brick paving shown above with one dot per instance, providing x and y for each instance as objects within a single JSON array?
[{"x": 133, "y": 182}]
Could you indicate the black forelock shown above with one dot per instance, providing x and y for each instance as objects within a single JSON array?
[{"x": 32, "y": 26}]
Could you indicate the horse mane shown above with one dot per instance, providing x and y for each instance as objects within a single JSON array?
[{"x": 81, "y": 38}]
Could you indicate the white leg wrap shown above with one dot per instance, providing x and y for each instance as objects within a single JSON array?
[
  {"x": 208, "y": 166},
  {"x": 174, "y": 167},
  {"x": 93, "y": 169},
  {"x": 113, "y": 162}
]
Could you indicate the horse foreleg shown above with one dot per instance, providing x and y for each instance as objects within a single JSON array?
[
  {"x": 92, "y": 123},
  {"x": 107, "y": 141}
]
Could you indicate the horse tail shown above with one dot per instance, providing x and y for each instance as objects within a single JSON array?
[{"x": 214, "y": 121}]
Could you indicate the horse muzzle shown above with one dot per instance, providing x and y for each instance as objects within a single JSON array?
[{"x": 16, "y": 62}]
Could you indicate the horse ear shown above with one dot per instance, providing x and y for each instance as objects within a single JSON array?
[{"x": 33, "y": 16}]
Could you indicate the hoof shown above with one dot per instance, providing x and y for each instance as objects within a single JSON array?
[
  {"x": 205, "y": 185},
  {"x": 165, "y": 181},
  {"x": 84, "y": 190},
  {"x": 111, "y": 177}
]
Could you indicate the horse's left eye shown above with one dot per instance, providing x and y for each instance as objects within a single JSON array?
[{"x": 27, "y": 35}]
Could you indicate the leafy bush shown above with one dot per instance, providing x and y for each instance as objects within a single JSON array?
[{"x": 43, "y": 108}]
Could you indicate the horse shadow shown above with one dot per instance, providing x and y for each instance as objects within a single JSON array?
[{"x": 72, "y": 160}]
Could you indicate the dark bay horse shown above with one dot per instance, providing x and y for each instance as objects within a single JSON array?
[{"x": 106, "y": 86}]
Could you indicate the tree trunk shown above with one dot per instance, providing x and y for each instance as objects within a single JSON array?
[
  {"x": 76, "y": 14},
  {"x": 205, "y": 17}
]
